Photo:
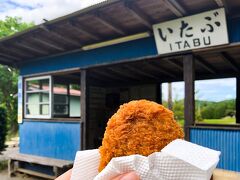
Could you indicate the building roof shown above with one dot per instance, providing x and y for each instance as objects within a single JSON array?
[{"x": 101, "y": 22}]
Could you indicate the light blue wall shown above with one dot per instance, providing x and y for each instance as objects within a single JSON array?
[
  {"x": 226, "y": 141},
  {"x": 50, "y": 139}
]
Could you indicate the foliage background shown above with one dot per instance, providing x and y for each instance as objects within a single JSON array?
[
  {"x": 9, "y": 75},
  {"x": 3, "y": 129},
  {"x": 205, "y": 109}
]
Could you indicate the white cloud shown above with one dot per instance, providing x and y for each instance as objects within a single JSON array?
[
  {"x": 37, "y": 10},
  {"x": 218, "y": 82}
]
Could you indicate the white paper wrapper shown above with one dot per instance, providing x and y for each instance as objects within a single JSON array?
[
  {"x": 180, "y": 160},
  {"x": 85, "y": 165}
]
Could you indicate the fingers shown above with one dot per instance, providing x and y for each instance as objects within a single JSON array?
[
  {"x": 65, "y": 176},
  {"x": 127, "y": 176}
]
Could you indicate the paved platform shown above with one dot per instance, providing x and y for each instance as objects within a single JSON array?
[
  {"x": 220, "y": 174},
  {"x": 4, "y": 176}
]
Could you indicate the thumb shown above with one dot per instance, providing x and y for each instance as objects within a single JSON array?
[{"x": 127, "y": 176}]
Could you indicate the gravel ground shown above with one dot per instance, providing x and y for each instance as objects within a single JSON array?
[
  {"x": 12, "y": 148},
  {"x": 4, "y": 173},
  {"x": 4, "y": 176}
]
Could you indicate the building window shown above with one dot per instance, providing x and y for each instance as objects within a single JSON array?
[
  {"x": 61, "y": 100},
  {"x": 38, "y": 97},
  {"x": 75, "y": 98},
  {"x": 56, "y": 96},
  {"x": 66, "y": 102}
]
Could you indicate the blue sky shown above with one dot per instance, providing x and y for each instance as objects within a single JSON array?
[
  {"x": 211, "y": 90},
  {"x": 6, "y": 5},
  {"x": 37, "y": 10}
]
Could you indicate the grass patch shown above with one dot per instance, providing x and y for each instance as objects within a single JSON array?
[
  {"x": 226, "y": 120},
  {"x": 10, "y": 136},
  {"x": 3, "y": 165}
]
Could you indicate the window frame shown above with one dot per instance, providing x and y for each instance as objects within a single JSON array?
[
  {"x": 68, "y": 104},
  {"x": 54, "y": 115},
  {"x": 49, "y": 102}
]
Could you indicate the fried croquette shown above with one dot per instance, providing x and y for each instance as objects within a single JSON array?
[{"x": 138, "y": 127}]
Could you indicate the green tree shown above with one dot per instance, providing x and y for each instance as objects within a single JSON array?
[
  {"x": 218, "y": 110},
  {"x": 3, "y": 129},
  {"x": 208, "y": 112},
  {"x": 11, "y": 25},
  {"x": 8, "y": 75},
  {"x": 8, "y": 99},
  {"x": 178, "y": 109}
]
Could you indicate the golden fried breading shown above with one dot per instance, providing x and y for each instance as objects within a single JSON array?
[{"x": 138, "y": 127}]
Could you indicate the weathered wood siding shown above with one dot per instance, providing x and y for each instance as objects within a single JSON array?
[{"x": 99, "y": 113}]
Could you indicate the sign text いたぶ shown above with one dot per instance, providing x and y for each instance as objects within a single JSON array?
[{"x": 192, "y": 32}]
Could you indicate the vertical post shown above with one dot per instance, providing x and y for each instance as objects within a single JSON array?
[
  {"x": 189, "y": 101},
  {"x": 68, "y": 98},
  {"x": 238, "y": 100},
  {"x": 84, "y": 109},
  {"x": 170, "y": 102},
  {"x": 52, "y": 97},
  {"x": 159, "y": 93}
]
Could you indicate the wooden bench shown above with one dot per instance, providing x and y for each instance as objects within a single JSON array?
[{"x": 15, "y": 160}]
